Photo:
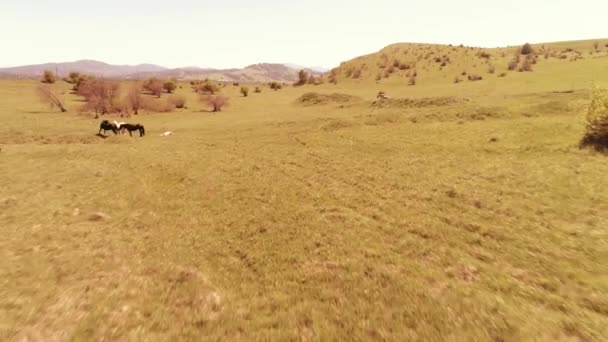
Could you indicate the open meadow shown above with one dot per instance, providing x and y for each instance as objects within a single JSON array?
[{"x": 449, "y": 212}]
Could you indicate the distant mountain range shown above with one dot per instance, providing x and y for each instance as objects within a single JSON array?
[{"x": 264, "y": 72}]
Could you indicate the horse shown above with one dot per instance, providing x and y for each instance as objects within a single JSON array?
[
  {"x": 130, "y": 128},
  {"x": 118, "y": 124},
  {"x": 107, "y": 126}
]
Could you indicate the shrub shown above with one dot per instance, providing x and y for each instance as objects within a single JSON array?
[
  {"x": 236, "y": 84},
  {"x": 502, "y": 74},
  {"x": 206, "y": 87},
  {"x": 154, "y": 86},
  {"x": 526, "y": 66},
  {"x": 491, "y": 69},
  {"x": 217, "y": 102},
  {"x": 464, "y": 73},
  {"x": 512, "y": 64},
  {"x": 378, "y": 77},
  {"x": 169, "y": 86},
  {"x": 245, "y": 91},
  {"x": 411, "y": 81},
  {"x": 526, "y": 49},
  {"x": 474, "y": 78},
  {"x": 48, "y": 77},
  {"x": 596, "y": 45},
  {"x": 257, "y": 90},
  {"x": 275, "y": 86},
  {"x": 178, "y": 101},
  {"x": 596, "y": 120},
  {"x": 457, "y": 79}
]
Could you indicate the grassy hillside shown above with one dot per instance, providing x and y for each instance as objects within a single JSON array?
[
  {"x": 452, "y": 212},
  {"x": 442, "y": 64}
]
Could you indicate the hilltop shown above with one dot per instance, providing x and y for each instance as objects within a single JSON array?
[{"x": 409, "y": 63}]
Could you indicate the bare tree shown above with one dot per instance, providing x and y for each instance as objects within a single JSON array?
[
  {"x": 100, "y": 94},
  {"x": 135, "y": 101},
  {"x": 48, "y": 96}
]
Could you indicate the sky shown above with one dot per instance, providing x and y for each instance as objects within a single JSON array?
[{"x": 237, "y": 33}]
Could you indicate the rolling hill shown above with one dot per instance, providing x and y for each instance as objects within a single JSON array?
[
  {"x": 263, "y": 72},
  {"x": 409, "y": 63}
]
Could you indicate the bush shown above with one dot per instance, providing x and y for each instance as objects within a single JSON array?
[
  {"x": 512, "y": 64},
  {"x": 178, "y": 101},
  {"x": 217, "y": 102},
  {"x": 154, "y": 86},
  {"x": 526, "y": 66},
  {"x": 206, "y": 87},
  {"x": 411, "y": 81},
  {"x": 275, "y": 86},
  {"x": 502, "y": 74},
  {"x": 596, "y": 120},
  {"x": 526, "y": 49},
  {"x": 48, "y": 77},
  {"x": 169, "y": 86},
  {"x": 257, "y": 90},
  {"x": 236, "y": 84},
  {"x": 491, "y": 69},
  {"x": 474, "y": 78},
  {"x": 457, "y": 79},
  {"x": 245, "y": 91},
  {"x": 48, "y": 96}
]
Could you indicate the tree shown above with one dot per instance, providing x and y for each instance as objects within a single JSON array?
[
  {"x": 46, "y": 95},
  {"x": 48, "y": 77},
  {"x": 154, "y": 86},
  {"x": 100, "y": 95},
  {"x": 135, "y": 101},
  {"x": 303, "y": 77},
  {"x": 245, "y": 91},
  {"x": 217, "y": 102},
  {"x": 169, "y": 86}
]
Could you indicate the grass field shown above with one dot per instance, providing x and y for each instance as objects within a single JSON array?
[{"x": 475, "y": 220}]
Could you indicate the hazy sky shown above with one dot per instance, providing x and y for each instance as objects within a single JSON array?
[{"x": 236, "y": 33}]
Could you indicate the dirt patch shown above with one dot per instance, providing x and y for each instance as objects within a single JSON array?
[{"x": 316, "y": 99}]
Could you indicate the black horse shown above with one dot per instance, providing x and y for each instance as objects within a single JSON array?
[
  {"x": 107, "y": 126},
  {"x": 130, "y": 128}
]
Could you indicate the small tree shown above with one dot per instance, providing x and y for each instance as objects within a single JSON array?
[
  {"x": 596, "y": 120},
  {"x": 245, "y": 91},
  {"x": 303, "y": 77},
  {"x": 134, "y": 100},
  {"x": 48, "y": 96},
  {"x": 48, "y": 77},
  {"x": 217, "y": 102},
  {"x": 154, "y": 86},
  {"x": 169, "y": 86}
]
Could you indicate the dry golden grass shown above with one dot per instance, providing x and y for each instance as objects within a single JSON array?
[{"x": 471, "y": 220}]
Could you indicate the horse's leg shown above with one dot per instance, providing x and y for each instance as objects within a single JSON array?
[{"x": 130, "y": 132}]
